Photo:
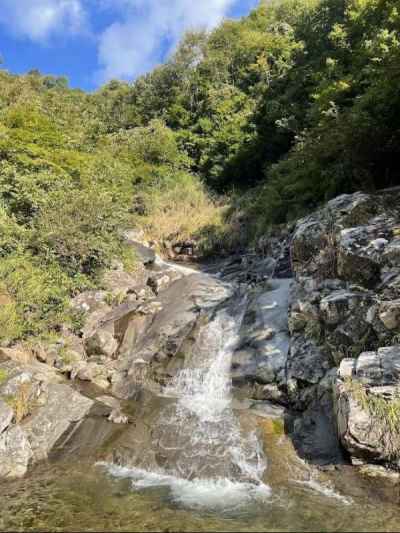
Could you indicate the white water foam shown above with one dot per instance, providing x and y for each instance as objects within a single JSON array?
[
  {"x": 209, "y": 461},
  {"x": 186, "y": 271},
  {"x": 324, "y": 489},
  {"x": 213, "y": 494}
]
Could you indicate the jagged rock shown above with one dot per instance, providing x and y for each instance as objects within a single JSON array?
[
  {"x": 347, "y": 322},
  {"x": 368, "y": 434},
  {"x": 97, "y": 374},
  {"x": 161, "y": 280},
  {"x": 345, "y": 296},
  {"x": 41, "y": 409},
  {"x": 307, "y": 361},
  {"x": 352, "y": 236},
  {"x": 342, "y": 305},
  {"x": 15, "y": 453},
  {"x": 309, "y": 238},
  {"x": 121, "y": 283},
  {"x": 361, "y": 251},
  {"x": 102, "y": 342}
]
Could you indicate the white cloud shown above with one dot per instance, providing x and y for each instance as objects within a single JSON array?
[
  {"x": 39, "y": 19},
  {"x": 133, "y": 45}
]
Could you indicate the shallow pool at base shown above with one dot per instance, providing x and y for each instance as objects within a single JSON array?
[{"x": 84, "y": 497}]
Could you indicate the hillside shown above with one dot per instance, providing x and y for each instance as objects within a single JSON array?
[{"x": 279, "y": 111}]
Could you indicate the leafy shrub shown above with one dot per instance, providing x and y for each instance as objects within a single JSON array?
[{"x": 38, "y": 296}]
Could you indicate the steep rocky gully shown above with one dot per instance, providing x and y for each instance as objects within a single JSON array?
[{"x": 256, "y": 393}]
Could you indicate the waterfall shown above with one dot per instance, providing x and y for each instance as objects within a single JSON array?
[{"x": 206, "y": 458}]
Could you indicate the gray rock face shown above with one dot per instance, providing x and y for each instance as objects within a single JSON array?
[
  {"x": 64, "y": 409},
  {"x": 6, "y": 416},
  {"x": 15, "y": 453},
  {"x": 263, "y": 351},
  {"x": 353, "y": 237},
  {"x": 389, "y": 315},
  {"x": 98, "y": 374},
  {"x": 121, "y": 283},
  {"x": 308, "y": 362},
  {"x": 102, "y": 342},
  {"x": 344, "y": 311},
  {"x": 367, "y": 396},
  {"x": 158, "y": 345}
]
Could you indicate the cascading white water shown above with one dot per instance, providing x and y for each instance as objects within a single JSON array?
[{"x": 206, "y": 459}]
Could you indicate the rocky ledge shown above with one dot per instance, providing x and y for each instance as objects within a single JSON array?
[
  {"x": 344, "y": 321},
  {"x": 319, "y": 340}
]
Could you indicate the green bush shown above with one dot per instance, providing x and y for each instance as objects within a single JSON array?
[{"x": 38, "y": 296}]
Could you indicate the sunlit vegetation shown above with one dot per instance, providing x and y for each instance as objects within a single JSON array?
[{"x": 279, "y": 111}]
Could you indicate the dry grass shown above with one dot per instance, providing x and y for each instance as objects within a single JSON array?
[
  {"x": 20, "y": 403},
  {"x": 181, "y": 213},
  {"x": 384, "y": 410},
  {"x": 327, "y": 259}
]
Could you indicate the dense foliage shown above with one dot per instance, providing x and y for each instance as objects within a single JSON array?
[
  {"x": 301, "y": 99},
  {"x": 283, "y": 109},
  {"x": 68, "y": 189}
]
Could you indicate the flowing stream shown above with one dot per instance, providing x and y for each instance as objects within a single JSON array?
[
  {"x": 208, "y": 460},
  {"x": 195, "y": 461}
]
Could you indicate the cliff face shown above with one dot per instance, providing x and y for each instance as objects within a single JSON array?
[{"x": 344, "y": 321}]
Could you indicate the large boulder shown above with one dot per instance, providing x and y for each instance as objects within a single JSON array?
[
  {"x": 94, "y": 372},
  {"x": 63, "y": 410},
  {"x": 102, "y": 342},
  {"x": 368, "y": 406},
  {"x": 37, "y": 408},
  {"x": 345, "y": 315}
]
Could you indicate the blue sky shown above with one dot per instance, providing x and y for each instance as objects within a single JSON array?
[{"x": 92, "y": 41}]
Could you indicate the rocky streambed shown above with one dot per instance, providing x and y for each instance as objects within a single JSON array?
[{"x": 257, "y": 393}]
